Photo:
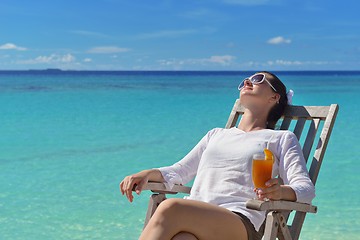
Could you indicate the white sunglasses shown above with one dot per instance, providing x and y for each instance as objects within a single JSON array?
[{"x": 256, "y": 79}]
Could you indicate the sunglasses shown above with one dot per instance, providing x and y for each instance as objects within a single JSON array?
[{"x": 256, "y": 79}]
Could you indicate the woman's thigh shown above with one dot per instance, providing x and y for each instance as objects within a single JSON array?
[{"x": 203, "y": 220}]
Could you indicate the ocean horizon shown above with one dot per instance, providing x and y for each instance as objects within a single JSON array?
[
  {"x": 62, "y": 71},
  {"x": 69, "y": 137}
]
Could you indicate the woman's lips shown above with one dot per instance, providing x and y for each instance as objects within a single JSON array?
[{"x": 247, "y": 88}]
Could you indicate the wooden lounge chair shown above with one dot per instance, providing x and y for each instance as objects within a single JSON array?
[{"x": 316, "y": 122}]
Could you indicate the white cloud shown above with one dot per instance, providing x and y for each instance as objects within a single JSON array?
[
  {"x": 87, "y": 60},
  {"x": 287, "y": 64},
  {"x": 278, "y": 40},
  {"x": 66, "y": 58},
  {"x": 107, "y": 49},
  {"x": 11, "y": 46},
  {"x": 53, "y": 58},
  {"x": 284, "y": 63},
  {"x": 224, "y": 60},
  {"x": 280, "y": 62}
]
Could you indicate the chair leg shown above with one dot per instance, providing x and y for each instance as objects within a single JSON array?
[
  {"x": 284, "y": 232},
  {"x": 276, "y": 226},
  {"x": 154, "y": 202},
  {"x": 271, "y": 226}
]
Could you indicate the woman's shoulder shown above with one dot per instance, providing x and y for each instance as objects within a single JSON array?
[
  {"x": 286, "y": 133},
  {"x": 285, "y": 136},
  {"x": 219, "y": 131},
  {"x": 211, "y": 134},
  {"x": 216, "y": 130}
]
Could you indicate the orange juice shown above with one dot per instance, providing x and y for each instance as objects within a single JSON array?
[{"x": 261, "y": 172}]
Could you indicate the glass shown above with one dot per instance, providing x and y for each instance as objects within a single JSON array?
[{"x": 261, "y": 170}]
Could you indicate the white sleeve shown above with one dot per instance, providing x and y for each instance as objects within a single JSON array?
[
  {"x": 292, "y": 168},
  {"x": 185, "y": 170}
]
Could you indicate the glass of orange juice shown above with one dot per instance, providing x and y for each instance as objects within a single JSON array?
[{"x": 261, "y": 170}]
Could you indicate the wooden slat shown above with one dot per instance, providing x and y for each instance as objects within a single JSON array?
[
  {"x": 297, "y": 225},
  {"x": 299, "y": 127},
  {"x": 271, "y": 226},
  {"x": 155, "y": 200},
  {"x": 236, "y": 111},
  {"x": 232, "y": 120},
  {"x": 308, "y": 112},
  {"x": 324, "y": 140},
  {"x": 310, "y": 138},
  {"x": 238, "y": 107},
  {"x": 163, "y": 188},
  {"x": 284, "y": 232},
  {"x": 285, "y": 123},
  {"x": 280, "y": 205}
]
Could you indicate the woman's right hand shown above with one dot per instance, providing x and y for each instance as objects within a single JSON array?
[{"x": 138, "y": 179}]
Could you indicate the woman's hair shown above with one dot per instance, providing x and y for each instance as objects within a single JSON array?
[{"x": 278, "y": 109}]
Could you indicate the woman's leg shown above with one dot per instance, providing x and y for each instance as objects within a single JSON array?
[{"x": 203, "y": 220}]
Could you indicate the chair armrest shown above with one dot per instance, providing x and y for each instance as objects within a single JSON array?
[
  {"x": 280, "y": 205},
  {"x": 160, "y": 187}
]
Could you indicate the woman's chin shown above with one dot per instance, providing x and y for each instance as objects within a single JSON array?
[
  {"x": 249, "y": 102},
  {"x": 246, "y": 99}
]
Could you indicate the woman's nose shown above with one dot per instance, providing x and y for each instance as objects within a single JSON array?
[{"x": 247, "y": 82}]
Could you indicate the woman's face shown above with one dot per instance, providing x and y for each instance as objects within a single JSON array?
[{"x": 260, "y": 95}]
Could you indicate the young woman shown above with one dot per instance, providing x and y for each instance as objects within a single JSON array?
[{"x": 221, "y": 165}]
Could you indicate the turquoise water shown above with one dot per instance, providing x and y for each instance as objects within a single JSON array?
[{"x": 68, "y": 139}]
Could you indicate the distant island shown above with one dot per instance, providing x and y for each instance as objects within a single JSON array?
[{"x": 46, "y": 70}]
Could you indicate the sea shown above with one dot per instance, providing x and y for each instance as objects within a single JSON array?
[{"x": 67, "y": 139}]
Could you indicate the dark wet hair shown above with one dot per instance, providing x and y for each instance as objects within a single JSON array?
[{"x": 278, "y": 109}]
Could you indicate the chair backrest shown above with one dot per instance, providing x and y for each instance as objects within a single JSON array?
[{"x": 317, "y": 122}]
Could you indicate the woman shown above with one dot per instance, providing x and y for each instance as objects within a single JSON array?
[{"x": 221, "y": 162}]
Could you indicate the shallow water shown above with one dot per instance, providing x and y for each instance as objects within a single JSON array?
[{"x": 69, "y": 138}]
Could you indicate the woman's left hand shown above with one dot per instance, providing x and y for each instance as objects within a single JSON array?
[
  {"x": 273, "y": 190},
  {"x": 276, "y": 191}
]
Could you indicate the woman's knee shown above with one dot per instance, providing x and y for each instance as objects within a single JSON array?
[
  {"x": 184, "y": 236},
  {"x": 163, "y": 215},
  {"x": 170, "y": 206}
]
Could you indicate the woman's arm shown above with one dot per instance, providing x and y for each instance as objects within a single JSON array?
[
  {"x": 293, "y": 170},
  {"x": 139, "y": 179},
  {"x": 296, "y": 185},
  {"x": 179, "y": 173},
  {"x": 276, "y": 191}
]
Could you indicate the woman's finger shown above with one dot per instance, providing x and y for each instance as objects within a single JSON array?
[
  {"x": 130, "y": 182},
  {"x": 272, "y": 188},
  {"x": 126, "y": 189},
  {"x": 128, "y": 194},
  {"x": 273, "y": 192},
  {"x": 124, "y": 186},
  {"x": 129, "y": 189},
  {"x": 121, "y": 187},
  {"x": 139, "y": 186},
  {"x": 271, "y": 182}
]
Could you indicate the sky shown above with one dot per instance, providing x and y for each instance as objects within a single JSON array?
[{"x": 210, "y": 35}]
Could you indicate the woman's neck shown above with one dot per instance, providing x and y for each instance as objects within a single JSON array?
[{"x": 251, "y": 121}]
